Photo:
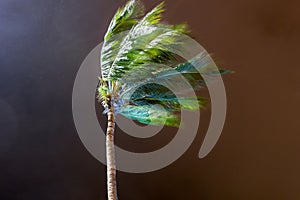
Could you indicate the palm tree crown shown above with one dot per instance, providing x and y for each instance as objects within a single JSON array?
[{"x": 138, "y": 49}]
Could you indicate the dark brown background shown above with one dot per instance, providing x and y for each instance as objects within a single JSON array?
[{"x": 42, "y": 46}]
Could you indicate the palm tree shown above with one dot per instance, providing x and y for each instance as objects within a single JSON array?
[{"x": 138, "y": 49}]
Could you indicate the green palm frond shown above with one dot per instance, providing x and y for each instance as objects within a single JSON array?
[
  {"x": 124, "y": 19},
  {"x": 150, "y": 94},
  {"x": 147, "y": 42},
  {"x": 148, "y": 114},
  {"x": 172, "y": 77},
  {"x": 154, "y": 16},
  {"x": 193, "y": 70}
]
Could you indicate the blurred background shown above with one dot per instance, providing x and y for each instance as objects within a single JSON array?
[{"x": 43, "y": 44}]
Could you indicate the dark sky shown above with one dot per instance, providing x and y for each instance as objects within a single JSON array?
[{"x": 257, "y": 157}]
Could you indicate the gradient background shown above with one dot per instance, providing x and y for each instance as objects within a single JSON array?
[{"x": 257, "y": 157}]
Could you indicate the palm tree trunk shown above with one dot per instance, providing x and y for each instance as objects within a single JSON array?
[{"x": 110, "y": 156}]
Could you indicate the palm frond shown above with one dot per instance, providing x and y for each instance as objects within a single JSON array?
[
  {"x": 153, "y": 93},
  {"x": 124, "y": 19},
  {"x": 147, "y": 42},
  {"x": 148, "y": 114},
  {"x": 173, "y": 77}
]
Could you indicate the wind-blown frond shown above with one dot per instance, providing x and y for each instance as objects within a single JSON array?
[
  {"x": 150, "y": 115},
  {"x": 153, "y": 93},
  {"x": 157, "y": 107},
  {"x": 147, "y": 42},
  {"x": 154, "y": 16},
  {"x": 183, "y": 77},
  {"x": 124, "y": 19},
  {"x": 147, "y": 45}
]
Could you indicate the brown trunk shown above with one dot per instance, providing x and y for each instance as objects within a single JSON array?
[{"x": 110, "y": 157}]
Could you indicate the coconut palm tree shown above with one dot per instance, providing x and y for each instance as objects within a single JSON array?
[{"x": 138, "y": 51}]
